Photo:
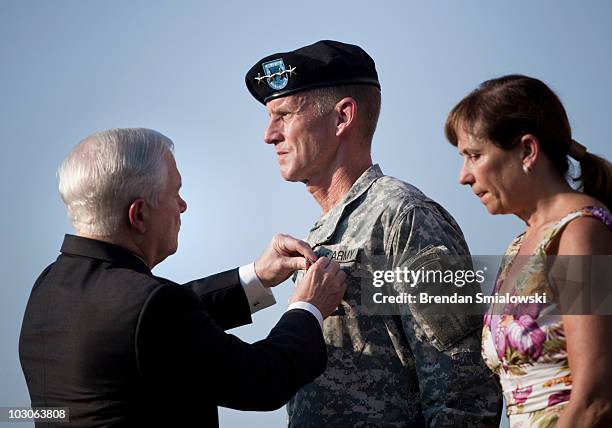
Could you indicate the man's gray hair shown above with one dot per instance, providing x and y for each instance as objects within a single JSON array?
[
  {"x": 366, "y": 96},
  {"x": 107, "y": 171}
]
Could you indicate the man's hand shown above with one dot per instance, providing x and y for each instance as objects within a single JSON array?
[
  {"x": 281, "y": 258},
  {"x": 323, "y": 286}
]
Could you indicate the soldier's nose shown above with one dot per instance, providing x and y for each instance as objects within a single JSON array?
[{"x": 272, "y": 134}]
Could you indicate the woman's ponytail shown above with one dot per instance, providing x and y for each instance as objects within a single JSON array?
[{"x": 596, "y": 178}]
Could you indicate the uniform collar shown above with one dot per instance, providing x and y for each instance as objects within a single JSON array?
[
  {"x": 326, "y": 225},
  {"x": 87, "y": 247}
]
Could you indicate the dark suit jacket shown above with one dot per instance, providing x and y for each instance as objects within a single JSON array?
[{"x": 121, "y": 347}]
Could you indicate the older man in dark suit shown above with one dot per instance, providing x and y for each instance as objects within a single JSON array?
[{"x": 119, "y": 346}]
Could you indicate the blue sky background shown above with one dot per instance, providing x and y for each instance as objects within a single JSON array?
[{"x": 69, "y": 68}]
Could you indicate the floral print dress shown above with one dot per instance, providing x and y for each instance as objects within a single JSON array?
[{"x": 525, "y": 345}]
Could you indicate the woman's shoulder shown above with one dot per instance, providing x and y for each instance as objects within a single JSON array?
[
  {"x": 584, "y": 230},
  {"x": 586, "y": 234},
  {"x": 575, "y": 207}
]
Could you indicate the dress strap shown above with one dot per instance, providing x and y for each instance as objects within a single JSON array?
[{"x": 598, "y": 213}]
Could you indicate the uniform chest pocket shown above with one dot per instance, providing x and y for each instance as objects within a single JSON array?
[{"x": 352, "y": 261}]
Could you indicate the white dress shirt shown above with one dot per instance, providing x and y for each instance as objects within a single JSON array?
[{"x": 260, "y": 297}]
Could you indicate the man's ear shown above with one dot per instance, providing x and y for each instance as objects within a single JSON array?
[
  {"x": 346, "y": 115},
  {"x": 137, "y": 214},
  {"x": 530, "y": 150}
]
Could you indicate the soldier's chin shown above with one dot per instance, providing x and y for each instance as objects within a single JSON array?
[{"x": 173, "y": 248}]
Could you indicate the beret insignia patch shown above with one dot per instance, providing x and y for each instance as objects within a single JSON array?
[{"x": 276, "y": 74}]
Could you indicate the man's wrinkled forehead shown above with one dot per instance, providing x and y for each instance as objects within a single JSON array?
[{"x": 289, "y": 104}]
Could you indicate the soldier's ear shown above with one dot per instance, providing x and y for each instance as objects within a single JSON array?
[
  {"x": 346, "y": 111},
  {"x": 137, "y": 215}
]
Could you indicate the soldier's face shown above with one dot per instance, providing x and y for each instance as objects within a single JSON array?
[
  {"x": 494, "y": 174},
  {"x": 303, "y": 139}
]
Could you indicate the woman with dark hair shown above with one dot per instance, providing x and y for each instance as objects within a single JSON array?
[{"x": 516, "y": 141}]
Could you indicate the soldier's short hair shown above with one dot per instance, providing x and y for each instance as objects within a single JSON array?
[{"x": 368, "y": 103}]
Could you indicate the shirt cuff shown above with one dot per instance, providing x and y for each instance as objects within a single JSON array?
[
  {"x": 310, "y": 308},
  {"x": 259, "y": 297}
]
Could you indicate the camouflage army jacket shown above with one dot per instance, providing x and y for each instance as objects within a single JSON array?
[{"x": 411, "y": 369}]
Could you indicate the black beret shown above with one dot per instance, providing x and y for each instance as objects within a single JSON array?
[{"x": 324, "y": 63}]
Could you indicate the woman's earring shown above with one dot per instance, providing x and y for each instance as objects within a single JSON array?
[{"x": 526, "y": 169}]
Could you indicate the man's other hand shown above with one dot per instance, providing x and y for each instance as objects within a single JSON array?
[
  {"x": 283, "y": 256},
  {"x": 323, "y": 286}
]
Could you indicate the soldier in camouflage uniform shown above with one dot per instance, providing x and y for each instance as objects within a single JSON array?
[{"x": 415, "y": 367}]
